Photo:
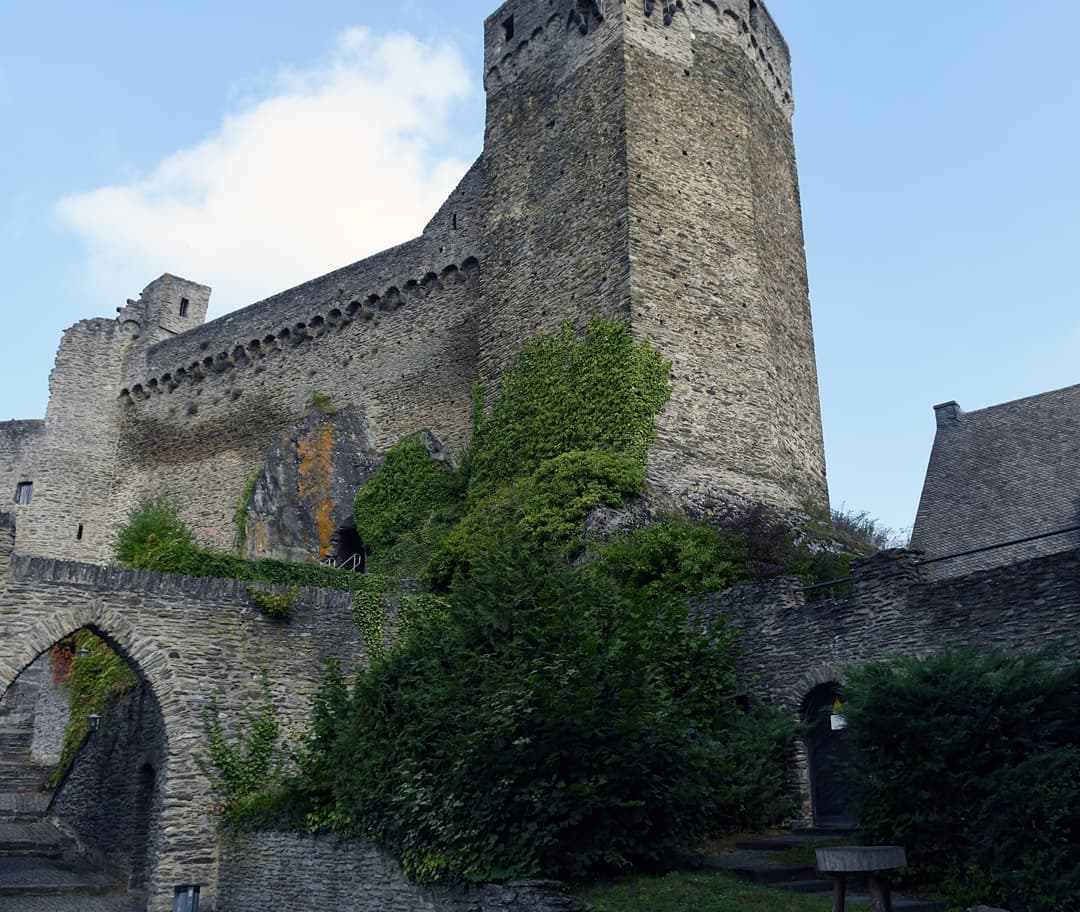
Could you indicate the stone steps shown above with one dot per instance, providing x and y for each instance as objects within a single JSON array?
[
  {"x": 37, "y": 837},
  {"x": 32, "y": 875},
  {"x": 18, "y": 807},
  {"x": 23, "y": 776},
  {"x": 15, "y": 742}
]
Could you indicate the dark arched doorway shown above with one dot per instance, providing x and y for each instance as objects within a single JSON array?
[
  {"x": 347, "y": 549},
  {"x": 828, "y": 753}
]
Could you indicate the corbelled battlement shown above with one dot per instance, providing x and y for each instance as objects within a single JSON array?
[
  {"x": 561, "y": 35},
  {"x": 334, "y": 314}
]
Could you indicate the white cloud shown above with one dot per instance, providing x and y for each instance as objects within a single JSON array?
[{"x": 341, "y": 160}]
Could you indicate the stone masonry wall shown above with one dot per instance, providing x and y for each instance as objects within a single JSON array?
[
  {"x": 308, "y": 874},
  {"x": 188, "y": 639},
  {"x": 20, "y": 443},
  {"x": 555, "y": 152},
  {"x": 792, "y": 646},
  {"x": 719, "y": 274},
  {"x": 76, "y": 456},
  {"x": 637, "y": 163},
  {"x": 196, "y": 436},
  {"x": 111, "y": 799}
]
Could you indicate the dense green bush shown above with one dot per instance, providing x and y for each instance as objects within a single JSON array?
[
  {"x": 551, "y": 723},
  {"x": 971, "y": 759},
  {"x": 152, "y": 530},
  {"x": 405, "y": 511}
]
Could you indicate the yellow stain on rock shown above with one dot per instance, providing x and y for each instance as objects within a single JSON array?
[{"x": 316, "y": 451}]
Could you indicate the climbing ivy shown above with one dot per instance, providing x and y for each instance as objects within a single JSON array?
[
  {"x": 249, "y": 765},
  {"x": 92, "y": 682},
  {"x": 406, "y": 510},
  {"x": 275, "y": 604},
  {"x": 565, "y": 394},
  {"x": 240, "y": 515}
]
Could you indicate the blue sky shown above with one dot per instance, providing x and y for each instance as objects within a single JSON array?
[{"x": 253, "y": 145}]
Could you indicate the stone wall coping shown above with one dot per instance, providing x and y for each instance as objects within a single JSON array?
[{"x": 96, "y": 576}]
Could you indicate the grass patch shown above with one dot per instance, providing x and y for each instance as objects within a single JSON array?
[{"x": 698, "y": 892}]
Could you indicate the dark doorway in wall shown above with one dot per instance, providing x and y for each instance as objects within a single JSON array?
[
  {"x": 828, "y": 752},
  {"x": 347, "y": 549}
]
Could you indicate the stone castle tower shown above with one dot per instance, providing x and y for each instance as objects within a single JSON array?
[{"x": 638, "y": 162}]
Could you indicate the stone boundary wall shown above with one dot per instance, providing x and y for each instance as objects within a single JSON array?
[
  {"x": 191, "y": 641},
  {"x": 793, "y": 646},
  {"x": 259, "y": 871}
]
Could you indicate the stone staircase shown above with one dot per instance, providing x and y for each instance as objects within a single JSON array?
[
  {"x": 40, "y": 868},
  {"x": 761, "y": 861}
]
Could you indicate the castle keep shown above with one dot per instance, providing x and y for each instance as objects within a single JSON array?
[{"x": 638, "y": 162}]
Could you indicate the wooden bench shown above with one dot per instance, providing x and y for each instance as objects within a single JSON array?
[{"x": 871, "y": 862}]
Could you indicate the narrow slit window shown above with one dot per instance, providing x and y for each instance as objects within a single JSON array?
[
  {"x": 453, "y": 221},
  {"x": 78, "y": 533},
  {"x": 508, "y": 28},
  {"x": 183, "y": 307},
  {"x": 24, "y": 491}
]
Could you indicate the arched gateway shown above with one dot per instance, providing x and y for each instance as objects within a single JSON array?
[{"x": 188, "y": 640}]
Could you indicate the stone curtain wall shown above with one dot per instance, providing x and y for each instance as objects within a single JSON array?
[
  {"x": 189, "y": 639},
  {"x": 112, "y": 793},
  {"x": 262, "y": 871},
  {"x": 792, "y": 646},
  {"x": 402, "y": 352}
]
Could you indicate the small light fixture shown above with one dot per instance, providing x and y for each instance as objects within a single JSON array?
[
  {"x": 93, "y": 722},
  {"x": 82, "y": 652},
  {"x": 186, "y": 898}
]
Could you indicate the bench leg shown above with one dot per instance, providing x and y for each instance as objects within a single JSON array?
[
  {"x": 880, "y": 895},
  {"x": 839, "y": 892}
]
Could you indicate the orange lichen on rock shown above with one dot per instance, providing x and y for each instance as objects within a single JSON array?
[{"x": 316, "y": 452}]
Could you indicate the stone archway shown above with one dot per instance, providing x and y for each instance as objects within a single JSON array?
[{"x": 180, "y": 834}]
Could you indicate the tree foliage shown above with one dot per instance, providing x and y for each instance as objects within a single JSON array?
[
  {"x": 551, "y": 723},
  {"x": 971, "y": 759}
]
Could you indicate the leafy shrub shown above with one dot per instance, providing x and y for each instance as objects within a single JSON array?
[
  {"x": 971, "y": 759},
  {"x": 674, "y": 559},
  {"x": 546, "y": 509},
  {"x": 863, "y": 531},
  {"x": 152, "y": 529},
  {"x": 405, "y": 511},
  {"x": 277, "y": 605},
  {"x": 550, "y": 723}
]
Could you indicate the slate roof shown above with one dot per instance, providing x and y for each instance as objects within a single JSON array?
[{"x": 999, "y": 474}]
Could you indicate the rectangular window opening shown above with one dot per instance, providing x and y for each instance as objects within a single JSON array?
[
  {"x": 508, "y": 28},
  {"x": 183, "y": 307},
  {"x": 78, "y": 533},
  {"x": 24, "y": 491}
]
